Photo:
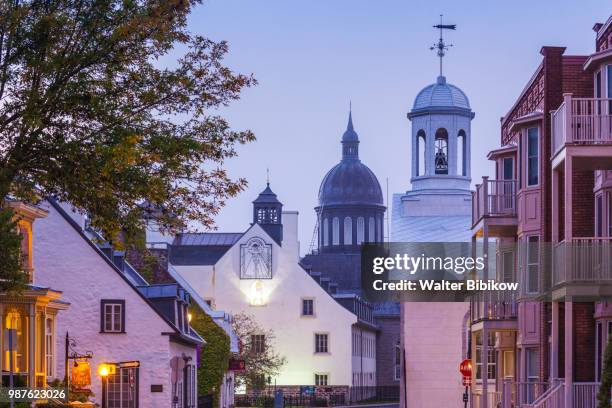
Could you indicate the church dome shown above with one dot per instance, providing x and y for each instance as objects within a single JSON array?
[
  {"x": 350, "y": 182},
  {"x": 441, "y": 95}
]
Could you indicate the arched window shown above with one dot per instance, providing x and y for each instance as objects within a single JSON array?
[
  {"x": 335, "y": 231},
  {"x": 371, "y": 230},
  {"x": 348, "y": 231},
  {"x": 461, "y": 153},
  {"x": 325, "y": 232},
  {"x": 360, "y": 230},
  {"x": 441, "y": 151},
  {"x": 380, "y": 229},
  {"x": 420, "y": 153}
]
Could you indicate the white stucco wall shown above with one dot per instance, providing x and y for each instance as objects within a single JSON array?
[
  {"x": 64, "y": 260},
  {"x": 282, "y": 312}
]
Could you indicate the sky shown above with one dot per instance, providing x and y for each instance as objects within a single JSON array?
[{"x": 312, "y": 57}]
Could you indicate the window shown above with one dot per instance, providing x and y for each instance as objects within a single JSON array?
[
  {"x": 491, "y": 360},
  {"x": 441, "y": 151},
  {"x": 360, "y": 230},
  {"x": 508, "y": 364},
  {"x": 371, "y": 230},
  {"x": 598, "y": 351},
  {"x": 533, "y": 263},
  {"x": 122, "y": 388},
  {"x": 461, "y": 153},
  {"x": 326, "y": 232},
  {"x": 508, "y": 168},
  {"x": 397, "y": 362},
  {"x": 532, "y": 156},
  {"x": 321, "y": 343},
  {"x": 113, "y": 316},
  {"x": 190, "y": 386},
  {"x": 307, "y": 307},
  {"x": 258, "y": 343},
  {"x": 348, "y": 231},
  {"x": 507, "y": 266},
  {"x": 599, "y": 221},
  {"x": 531, "y": 371},
  {"x": 335, "y": 231},
  {"x": 420, "y": 153},
  {"x": 322, "y": 379},
  {"x": 49, "y": 345}
]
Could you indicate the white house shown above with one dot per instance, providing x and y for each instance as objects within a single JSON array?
[
  {"x": 139, "y": 334},
  {"x": 257, "y": 272}
]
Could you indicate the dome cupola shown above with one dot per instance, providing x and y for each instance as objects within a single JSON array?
[{"x": 351, "y": 205}]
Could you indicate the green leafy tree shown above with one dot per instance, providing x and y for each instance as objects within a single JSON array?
[
  {"x": 603, "y": 397},
  {"x": 214, "y": 357},
  {"x": 108, "y": 104},
  {"x": 261, "y": 362}
]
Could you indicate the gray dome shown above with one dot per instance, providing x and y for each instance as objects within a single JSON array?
[
  {"x": 350, "y": 182},
  {"x": 441, "y": 95}
]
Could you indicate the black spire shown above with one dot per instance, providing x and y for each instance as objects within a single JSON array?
[
  {"x": 350, "y": 141},
  {"x": 267, "y": 212}
]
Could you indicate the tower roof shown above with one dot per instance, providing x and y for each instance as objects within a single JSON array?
[
  {"x": 267, "y": 197},
  {"x": 441, "y": 95},
  {"x": 350, "y": 182}
]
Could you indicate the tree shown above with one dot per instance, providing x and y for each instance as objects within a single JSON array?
[
  {"x": 88, "y": 114},
  {"x": 214, "y": 357},
  {"x": 603, "y": 397},
  {"x": 261, "y": 361}
]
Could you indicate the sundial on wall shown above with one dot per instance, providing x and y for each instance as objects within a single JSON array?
[{"x": 256, "y": 259}]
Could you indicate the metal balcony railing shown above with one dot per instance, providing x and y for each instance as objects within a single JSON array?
[
  {"x": 584, "y": 121},
  {"x": 493, "y": 306}
]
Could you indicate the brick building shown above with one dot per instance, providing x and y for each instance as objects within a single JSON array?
[{"x": 549, "y": 209}]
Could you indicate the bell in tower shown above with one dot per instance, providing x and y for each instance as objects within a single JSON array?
[{"x": 267, "y": 212}]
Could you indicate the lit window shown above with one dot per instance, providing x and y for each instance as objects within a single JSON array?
[
  {"x": 49, "y": 343},
  {"x": 113, "y": 316},
  {"x": 321, "y": 343}
]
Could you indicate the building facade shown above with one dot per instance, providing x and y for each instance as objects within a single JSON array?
[
  {"x": 136, "y": 336},
  {"x": 436, "y": 209},
  {"x": 257, "y": 272},
  {"x": 548, "y": 210}
]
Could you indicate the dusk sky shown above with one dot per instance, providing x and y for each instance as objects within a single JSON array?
[{"x": 312, "y": 57}]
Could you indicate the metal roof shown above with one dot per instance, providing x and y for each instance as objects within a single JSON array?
[{"x": 207, "y": 238}]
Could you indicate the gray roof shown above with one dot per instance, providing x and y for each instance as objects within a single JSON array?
[
  {"x": 439, "y": 95},
  {"x": 207, "y": 238}
]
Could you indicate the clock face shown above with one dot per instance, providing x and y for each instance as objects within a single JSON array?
[{"x": 256, "y": 259}]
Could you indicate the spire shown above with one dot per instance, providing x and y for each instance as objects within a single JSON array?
[
  {"x": 350, "y": 121},
  {"x": 350, "y": 139}
]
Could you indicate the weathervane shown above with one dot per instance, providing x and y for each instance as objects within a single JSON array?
[{"x": 441, "y": 45}]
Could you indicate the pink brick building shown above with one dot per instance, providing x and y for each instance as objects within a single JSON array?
[{"x": 549, "y": 209}]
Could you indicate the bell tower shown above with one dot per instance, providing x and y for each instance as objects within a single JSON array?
[{"x": 267, "y": 212}]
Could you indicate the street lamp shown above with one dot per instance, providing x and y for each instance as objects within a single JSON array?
[{"x": 104, "y": 370}]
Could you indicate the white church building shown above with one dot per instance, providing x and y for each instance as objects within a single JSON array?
[
  {"x": 257, "y": 272},
  {"x": 437, "y": 208}
]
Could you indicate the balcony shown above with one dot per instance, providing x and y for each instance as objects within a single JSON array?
[
  {"x": 495, "y": 200},
  {"x": 586, "y": 264},
  {"x": 496, "y": 310},
  {"x": 581, "y": 122}
]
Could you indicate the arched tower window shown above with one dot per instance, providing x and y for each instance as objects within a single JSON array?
[
  {"x": 348, "y": 231},
  {"x": 380, "y": 229},
  {"x": 420, "y": 153},
  {"x": 461, "y": 153},
  {"x": 371, "y": 230},
  {"x": 441, "y": 151},
  {"x": 325, "y": 232},
  {"x": 360, "y": 230},
  {"x": 335, "y": 231}
]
